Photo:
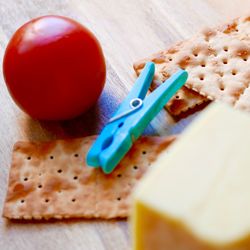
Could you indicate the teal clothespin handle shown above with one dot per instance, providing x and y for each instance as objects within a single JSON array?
[
  {"x": 105, "y": 139},
  {"x": 117, "y": 137},
  {"x": 155, "y": 102}
]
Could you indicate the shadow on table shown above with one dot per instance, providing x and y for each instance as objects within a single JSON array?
[{"x": 89, "y": 123}]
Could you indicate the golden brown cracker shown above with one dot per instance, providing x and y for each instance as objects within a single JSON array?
[
  {"x": 51, "y": 180},
  {"x": 217, "y": 61},
  {"x": 224, "y": 74}
]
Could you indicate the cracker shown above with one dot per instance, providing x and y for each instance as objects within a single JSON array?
[
  {"x": 217, "y": 61},
  {"x": 51, "y": 180},
  {"x": 224, "y": 73}
]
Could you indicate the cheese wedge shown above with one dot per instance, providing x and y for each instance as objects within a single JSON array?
[{"x": 197, "y": 195}]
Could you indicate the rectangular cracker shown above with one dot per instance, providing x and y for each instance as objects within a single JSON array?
[
  {"x": 217, "y": 61},
  {"x": 51, "y": 180}
]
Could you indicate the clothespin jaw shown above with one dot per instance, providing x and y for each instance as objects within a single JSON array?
[{"x": 131, "y": 118}]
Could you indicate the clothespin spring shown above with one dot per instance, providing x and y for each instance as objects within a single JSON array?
[{"x": 134, "y": 104}]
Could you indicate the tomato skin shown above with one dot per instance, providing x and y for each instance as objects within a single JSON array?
[{"x": 54, "y": 68}]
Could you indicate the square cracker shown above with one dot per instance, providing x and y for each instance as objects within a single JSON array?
[{"x": 51, "y": 180}]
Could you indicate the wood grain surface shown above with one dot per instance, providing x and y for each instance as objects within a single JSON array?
[{"x": 128, "y": 30}]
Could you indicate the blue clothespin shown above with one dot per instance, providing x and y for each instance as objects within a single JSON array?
[{"x": 132, "y": 117}]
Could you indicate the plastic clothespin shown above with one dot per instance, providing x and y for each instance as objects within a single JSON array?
[{"x": 132, "y": 117}]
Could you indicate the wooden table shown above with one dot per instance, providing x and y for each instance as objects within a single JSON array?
[{"x": 128, "y": 30}]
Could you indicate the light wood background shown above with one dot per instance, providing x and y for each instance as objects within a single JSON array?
[{"x": 128, "y": 30}]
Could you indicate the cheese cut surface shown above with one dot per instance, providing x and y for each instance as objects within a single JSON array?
[{"x": 198, "y": 194}]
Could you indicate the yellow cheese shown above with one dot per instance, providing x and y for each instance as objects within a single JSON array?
[{"x": 197, "y": 195}]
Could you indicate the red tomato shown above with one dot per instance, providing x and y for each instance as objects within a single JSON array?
[{"x": 54, "y": 68}]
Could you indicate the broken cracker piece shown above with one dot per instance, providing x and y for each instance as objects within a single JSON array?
[{"x": 51, "y": 180}]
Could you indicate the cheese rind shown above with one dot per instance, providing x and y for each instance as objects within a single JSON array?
[{"x": 198, "y": 191}]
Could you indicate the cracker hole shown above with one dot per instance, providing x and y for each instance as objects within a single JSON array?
[
  {"x": 73, "y": 200},
  {"x": 202, "y": 78},
  {"x": 222, "y": 87},
  {"x": 245, "y": 59},
  {"x": 177, "y": 97},
  {"x": 59, "y": 171},
  {"x": 236, "y": 30},
  {"x": 46, "y": 200},
  {"x": 195, "y": 54},
  {"x": 59, "y": 191},
  {"x": 119, "y": 198},
  {"x": 170, "y": 59},
  {"x": 221, "y": 74},
  {"x": 40, "y": 186},
  {"x": 135, "y": 167},
  {"x": 234, "y": 72},
  {"x": 203, "y": 65},
  {"x": 144, "y": 152},
  {"x": 76, "y": 155},
  {"x": 28, "y": 158},
  {"x": 22, "y": 201},
  {"x": 51, "y": 157},
  {"x": 119, "y": 175},
  {"x": 225, "y": 61},
  {"x": 75, "y": 177},
  {"x": 25, "y": 179},
  {"x": 225, "y": 49}
]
